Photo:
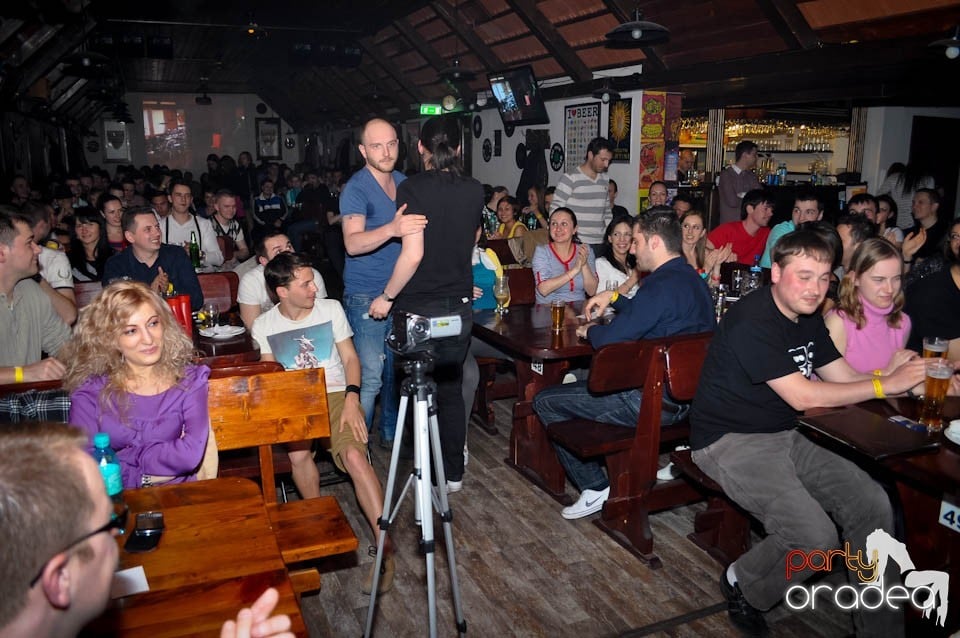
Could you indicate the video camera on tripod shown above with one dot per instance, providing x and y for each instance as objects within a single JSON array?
[{"x": 412, "y": 333}]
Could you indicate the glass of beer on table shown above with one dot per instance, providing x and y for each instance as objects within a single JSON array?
[
  {"x": 501, "y": 292},
  {"x": 557, "y": 309},
  {"x": 939, "y": 372},
  {"x": 934, "y": 347}
]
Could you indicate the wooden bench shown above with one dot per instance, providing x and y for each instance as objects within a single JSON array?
[
  {"x": 657, "y": 366},
  {"x": 522, "y": 292},
  {"x": 723, "y": 529},
  {"x": 260, "y": 411}
]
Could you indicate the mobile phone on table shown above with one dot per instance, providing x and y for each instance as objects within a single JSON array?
[{"x": 146, "y": 535}]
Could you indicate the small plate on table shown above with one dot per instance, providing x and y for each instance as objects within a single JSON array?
[
  {"x": 222, "y": 332},
  {"x": 952, "y": 432}
]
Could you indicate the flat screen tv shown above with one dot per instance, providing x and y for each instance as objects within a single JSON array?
[{"x": 518, "y": 97}]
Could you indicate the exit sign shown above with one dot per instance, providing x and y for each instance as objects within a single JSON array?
[{"x": 431, "y": 109}]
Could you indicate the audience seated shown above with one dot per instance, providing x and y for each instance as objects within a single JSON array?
[
  {"x": 253, "y": 296},
  {"x": 130, "y": 374},
  {"x": 57, "y": 530}
]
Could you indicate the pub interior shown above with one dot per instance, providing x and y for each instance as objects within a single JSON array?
[{"x": 670, "y": 193}]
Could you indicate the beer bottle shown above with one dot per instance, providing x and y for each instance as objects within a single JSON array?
[{"x": 194, "y": 250}]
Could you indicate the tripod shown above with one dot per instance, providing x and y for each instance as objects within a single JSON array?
[{"x": 426, "y": 439}]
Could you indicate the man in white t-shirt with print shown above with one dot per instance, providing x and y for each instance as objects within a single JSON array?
[
  {"x": 252, "y": 295},
  {"x": 302, "y": 331}
]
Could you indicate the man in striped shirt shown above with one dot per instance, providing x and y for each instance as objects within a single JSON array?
[{"x": 585, "y": 192}]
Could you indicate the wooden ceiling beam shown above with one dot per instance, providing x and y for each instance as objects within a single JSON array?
[
  {"x": 544, "y": 30},
  {"x": 623, "y": 11},
  {"x": 430, "y": 54},
  {"x": 349, "y": 106},
  {"x": 367, "y": 107},
  {"x": 789, "y": 23},
  {"x": 68, "y": 40},
  {"x": 476, "y": 45},
  {"x": 370, "y": 47},
  {"x": 8, "y": 27},
  {"x": 377, "y": 85}
]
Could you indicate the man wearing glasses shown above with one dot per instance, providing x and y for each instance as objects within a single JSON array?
[{"x": 57, "y": 547}]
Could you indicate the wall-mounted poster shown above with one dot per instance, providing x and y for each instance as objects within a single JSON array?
[
  {"x": 268, "y": 138},
  {"x": 116, "y": 146},
  {"x": 619, "y": 129},
  {"x": 581, "y": 123}
]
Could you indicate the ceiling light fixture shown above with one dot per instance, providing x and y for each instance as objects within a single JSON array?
[
  {"x": 606, "y": 94},
  {"x": 638, "y": 32},
  {"x": 951, "y": 45}
]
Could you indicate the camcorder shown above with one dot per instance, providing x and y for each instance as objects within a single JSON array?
[{"x": 413, "y": 333}]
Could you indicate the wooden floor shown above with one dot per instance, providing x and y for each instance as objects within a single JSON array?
[{"x": 525, "y": 571}]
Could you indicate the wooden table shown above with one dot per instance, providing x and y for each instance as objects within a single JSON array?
[
  {"x": 923, "y": 482},
  {"x": 542, "y": 358},
  {"x": 217, "y": 555},
  {"x": 231, "y": 351}
]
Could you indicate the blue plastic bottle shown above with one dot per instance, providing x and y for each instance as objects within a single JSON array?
[{"x": 106, "y": 458}]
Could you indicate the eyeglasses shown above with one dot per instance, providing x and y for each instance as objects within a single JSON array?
[
  {"x": 954, "y": 236},
  {"x": 118, "y": 522}
]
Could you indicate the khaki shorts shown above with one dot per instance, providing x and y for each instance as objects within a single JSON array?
[{"x": 340, "y": 441}]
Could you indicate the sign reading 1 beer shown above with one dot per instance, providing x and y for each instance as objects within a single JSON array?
[{"x": 581, "y": 123}]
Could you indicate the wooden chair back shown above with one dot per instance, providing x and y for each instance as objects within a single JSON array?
[
  {"x": 226, "y": 245},
  {"x": 522, "y": 285},
  {"x": 620, "y": 366},
  {"x": 502, "y": 249},
  {"x": 18, "y": 388},
  {"x": 245, "y": 369},
  {"x": 683, "y": 361},
  {"x": 267, "y": 408},
  {"x": 86, "y": 291},
  {"x": 220, "y": 288}
]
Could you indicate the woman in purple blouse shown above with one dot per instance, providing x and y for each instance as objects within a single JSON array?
[{"x": 130, "y": 374}]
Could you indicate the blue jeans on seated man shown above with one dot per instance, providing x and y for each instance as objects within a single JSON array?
[
  {"x": 574, "y": 401},
  {"x": 376, "y": 365}
]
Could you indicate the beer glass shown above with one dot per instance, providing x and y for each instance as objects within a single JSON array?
[
  {"x": 501, "y": 292},
  {"x": 557, "y": 309},
  {"x": 934, "y": 347},
  {"x": 935, "y": 387}
]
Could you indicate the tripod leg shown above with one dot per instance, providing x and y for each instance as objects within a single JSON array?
[
  {"x": 425, "y": 503},
  {"x": 446, "y": 516},
  {"x": 386, "y": 518}
]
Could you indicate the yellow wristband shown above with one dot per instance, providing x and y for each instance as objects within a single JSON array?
[
  {"x": 18, "y": 374},
  {"x": 878, "y": 389},
  {"x": 614, "y": 296},
  {"x": 878, "y": 373}
]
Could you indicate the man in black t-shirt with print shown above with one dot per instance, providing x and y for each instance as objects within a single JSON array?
[{"x": 755, "y": 381}]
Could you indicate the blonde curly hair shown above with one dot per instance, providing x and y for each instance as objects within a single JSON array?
[{"x": 94, "y": 351}]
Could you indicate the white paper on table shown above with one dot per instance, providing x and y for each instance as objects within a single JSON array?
[{"x": 129, "y": 581}]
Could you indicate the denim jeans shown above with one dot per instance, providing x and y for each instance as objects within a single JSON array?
[
  {"x": 574, "y": 401},
  {"x": 801, "y": 493},
  {"x": 376, "y": 364}
]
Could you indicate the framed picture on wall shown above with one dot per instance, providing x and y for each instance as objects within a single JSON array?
[
  {"x": 116, "y": 147},
  {"x": 618, "y": 128},
  {"x": 268, "y": 138},
  {"x": 581, "y": 123}
]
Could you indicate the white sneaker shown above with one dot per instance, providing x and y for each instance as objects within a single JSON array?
[
  {"x": 569, "y": 378},
  {"x": 667, "y": 473},
  {"x": 466, "y": 455},
  {"x": 454, "y": 486},
  {"x": 590, "y": 502}
]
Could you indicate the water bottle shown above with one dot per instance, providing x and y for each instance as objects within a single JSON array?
[
  {"x": 753, "y": 281},
  {"x": 782, "y": 173},
  {"x": 720, "y": 301},
  {"x": 194, "y": 250},
  {"x": 106, "y": 458}
]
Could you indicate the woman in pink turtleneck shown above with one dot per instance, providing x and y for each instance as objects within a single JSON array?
[{"x": 868, "y": 326}]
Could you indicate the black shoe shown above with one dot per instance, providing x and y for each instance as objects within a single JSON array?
[{"x": 746, "y": 618}]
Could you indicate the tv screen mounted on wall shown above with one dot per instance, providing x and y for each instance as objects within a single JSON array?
[{"x": 518, "y": 97}]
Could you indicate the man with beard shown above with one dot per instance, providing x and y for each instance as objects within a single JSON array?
[{"x": 372, "y": 226}]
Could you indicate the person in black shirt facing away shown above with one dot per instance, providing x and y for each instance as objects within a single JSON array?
[{"x": 433, "y": 276}]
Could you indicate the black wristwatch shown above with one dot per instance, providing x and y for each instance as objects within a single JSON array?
[
  {"x": 352, "y": 388},
  {"x": 388, "y": 297}
]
